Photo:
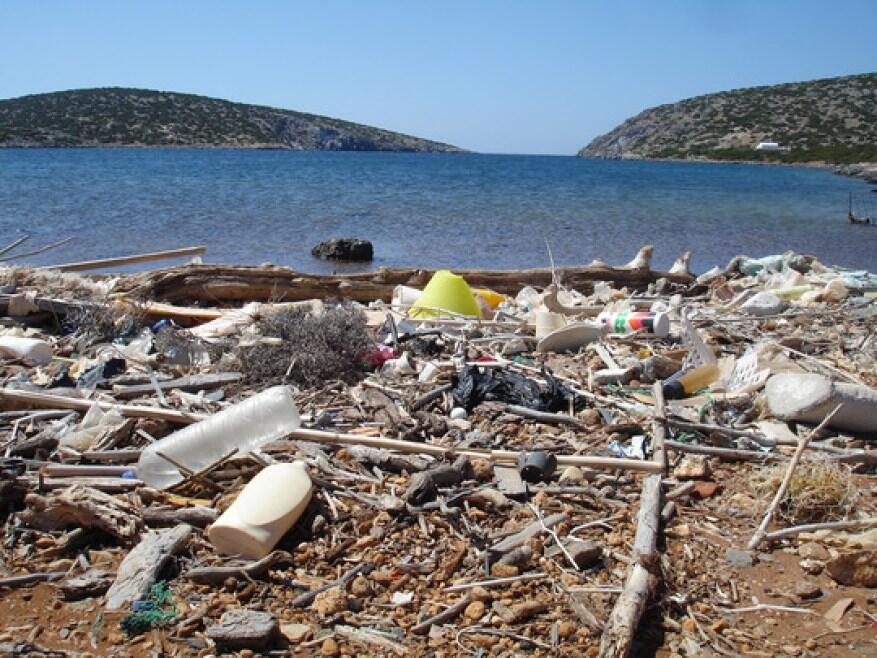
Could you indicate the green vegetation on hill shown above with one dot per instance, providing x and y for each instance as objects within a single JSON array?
[
  {"x": 139, "y": 117},
  {"x": 832, "y": 120}
]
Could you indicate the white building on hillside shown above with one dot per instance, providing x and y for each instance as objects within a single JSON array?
[{"x": 768, "y": 146}]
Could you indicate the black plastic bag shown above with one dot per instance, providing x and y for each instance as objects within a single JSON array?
[{"x": 475, "y": 385}]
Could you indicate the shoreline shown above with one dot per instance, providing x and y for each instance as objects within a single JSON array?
[{"x": 864, "y": 170}]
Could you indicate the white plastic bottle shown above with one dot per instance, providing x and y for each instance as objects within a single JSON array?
[
  {"x": 263, "y": 512},
  {"x": 33, "y": 351},
  {"x": 248, "y": 425}
]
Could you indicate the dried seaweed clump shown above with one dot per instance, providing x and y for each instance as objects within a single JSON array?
[
  {"x": 312, "y": 348},
  {"x": 818, "y": 491},
  {"x": 92, "y": 324},
  {"x": 181, "y": 347}
]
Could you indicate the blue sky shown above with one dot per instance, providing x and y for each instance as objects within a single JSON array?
[{"x": 502, "y": 77}]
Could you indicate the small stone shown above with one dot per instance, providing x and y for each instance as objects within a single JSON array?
[
  {"x": 360, "y": 586},
  {"x": 330, "y": 602},
  {"x": 247, "y": 653},
  {"x": 60, "y": 565},
  {"x": 719, "y": 625},
  {"x": 692, "y": 467},
  {"x": 792, "y": 650},
  {"x": 566, "y": 629},
  {"x": 740, "y": 559},
  {"x": 329, "y": 648},
  {"x": 584, "y": 553},
  {"x": 805, "y": 590},
  {"x": 64, "y": 633},
  {"x": 705, "y": 489},
  {"x": 481, "y": 594},
  {"x": 474, "y": 611},
  {"x": 812, "y": 567},
  {"x": 591, "y": 417},
  {"x": 811, "y": 643},
  {"x": 858, "y": 569},
  {"x": 296, "y": 633},
  {"x": 458, "y": 413},
  {"x": 504, "y": 570},
  {"x": 244, "y": 629},
  {"x": 813, "y": 550},
  {"x": 482, "y": 469},
  {"x": 572, "y": 474}
]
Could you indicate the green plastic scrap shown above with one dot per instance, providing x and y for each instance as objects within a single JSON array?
[
  {"x": 706, "y": 405},
  {"x": 156, "y": 610}
]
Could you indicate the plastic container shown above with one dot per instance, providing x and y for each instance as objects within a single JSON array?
[
  {"x": 690, "y": 381},
  {"x": 808, "y": 397},
  {"x": 446, "y": 291},
  {"x": 623, "y": 323},
  {"x": 571, "y": 337},
  {"x": 248, "y": 425},
  {"x": 405, "y": 295},
  {"x": 263, "y": 512},
  {"x": 490, "y": 297},
  {"x": 546, "y": 322},
  {"x": 33, "y": 351}
]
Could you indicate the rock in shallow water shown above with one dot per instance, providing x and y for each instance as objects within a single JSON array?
[{"x": 344, "y": 249}]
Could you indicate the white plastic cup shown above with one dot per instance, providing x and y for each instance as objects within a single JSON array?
[
  {"x": 547, "y": 322},
  {"x": 263, "y": 512},
  {"x": 405, "y": 295},
  {"x": 429, "y": 373}
]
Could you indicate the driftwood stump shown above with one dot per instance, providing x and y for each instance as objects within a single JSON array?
[{"x": 85, "y": 507}]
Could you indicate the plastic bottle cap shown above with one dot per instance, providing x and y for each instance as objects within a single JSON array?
[{"x": 673, "y": 390}]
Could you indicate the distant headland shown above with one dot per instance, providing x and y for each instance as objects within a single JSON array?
[
  {"x": 115, "y": 116},
  {"x": 828, "y": 121}
]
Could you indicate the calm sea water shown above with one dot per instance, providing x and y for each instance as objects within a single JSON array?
[{"x": 427, "y": 210}]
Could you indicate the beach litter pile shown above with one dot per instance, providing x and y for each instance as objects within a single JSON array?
[{"x": 227, "y": 460}]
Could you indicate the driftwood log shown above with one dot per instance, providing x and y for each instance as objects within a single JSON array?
[
  {"x": 236, "y": 283},
  {"x": 140, "y": 568}
]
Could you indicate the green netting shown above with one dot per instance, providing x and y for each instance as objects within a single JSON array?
[{"x": 157, "y": 609}]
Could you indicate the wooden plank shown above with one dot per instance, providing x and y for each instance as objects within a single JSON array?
[
  {"x": 102, "y": 263},
  {"x": 141, "y": 566},
  {"x": 190, "y": 383},
  {"x": 509, "y": 481},
  {"x": 79, "y": 404}
]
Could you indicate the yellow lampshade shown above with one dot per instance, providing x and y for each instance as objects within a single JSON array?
[{"x": 445, "y": 291}]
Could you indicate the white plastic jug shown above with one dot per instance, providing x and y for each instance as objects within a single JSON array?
[
  {"x": 263, "y": 512},
  {"x": 248, "y": 425},
  {"x": 33, "y": 351}
]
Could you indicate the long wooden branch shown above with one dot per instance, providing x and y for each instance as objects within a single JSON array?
[
  {"x": 318, "y": 436},
  {"x": 82, "y": 266},
  {"x": 643, "y": 574},
  {"x": 761, "y": 531}
]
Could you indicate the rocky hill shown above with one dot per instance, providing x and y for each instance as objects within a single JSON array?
[
  {"x": 140, "y": 117},
  {"x": 830, "y": 120}
]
